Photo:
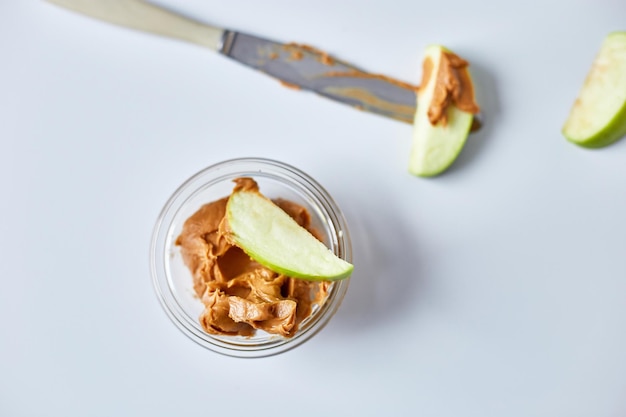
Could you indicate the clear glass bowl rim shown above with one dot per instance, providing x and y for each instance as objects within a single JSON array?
[{"x": 289, "y": 176}]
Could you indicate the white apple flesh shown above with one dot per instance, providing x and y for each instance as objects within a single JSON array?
[
  {"x": 435, "y": 147},
  {"x": 598, "y": 116},
  {"x": 275, "y": 240}
]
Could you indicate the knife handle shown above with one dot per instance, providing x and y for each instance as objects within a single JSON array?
[{"x": 138, "y": 14}]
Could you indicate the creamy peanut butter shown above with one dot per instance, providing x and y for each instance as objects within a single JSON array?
[
  {"x": 361, "y": 74},
  {"x": 296, "y": 53},
  {"x": 452, "y": 86},
  {"x": 239, "y": 294}
]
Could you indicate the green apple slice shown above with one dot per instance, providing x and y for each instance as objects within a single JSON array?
[
  {"x": 435, "y": 147},
  {"x": 598, "y": 116},
  {"x": 275, "y": 240}
]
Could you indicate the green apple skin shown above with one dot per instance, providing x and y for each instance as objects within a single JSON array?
[
  {"x": 598, "y": 117},
  {"x": 275, "y": 240},
  {"x": 435, "y": 148}
]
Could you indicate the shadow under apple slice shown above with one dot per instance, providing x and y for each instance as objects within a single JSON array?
[
  {"x": 387, "y": 278},
  {"x": 486, "y": 91}
]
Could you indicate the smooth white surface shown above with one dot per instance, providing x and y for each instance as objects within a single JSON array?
[{"x": 494, "y": 290}]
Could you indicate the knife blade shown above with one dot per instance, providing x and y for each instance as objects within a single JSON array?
[{"x": 295, "y": 65}]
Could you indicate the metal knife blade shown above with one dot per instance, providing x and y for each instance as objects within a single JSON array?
[
  {"x": 295, "y": 65},
  {"x": 304, "y": 67}
]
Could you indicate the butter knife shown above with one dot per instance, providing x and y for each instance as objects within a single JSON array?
[{"x": 295, "y": 65}]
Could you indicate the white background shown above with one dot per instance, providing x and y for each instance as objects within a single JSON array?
[{"x": 496, "y": 289}]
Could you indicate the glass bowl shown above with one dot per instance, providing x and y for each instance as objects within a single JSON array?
[{"x": 173, "y": 281}]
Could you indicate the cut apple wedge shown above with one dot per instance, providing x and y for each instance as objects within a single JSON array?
[
  {"x": 444, "y": 114},
  {"x": 598, "y": 116},
  {"x": 275, "y": 240}
]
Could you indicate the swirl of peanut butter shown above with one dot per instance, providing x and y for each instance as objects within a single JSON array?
[
  {"x": 453, "y": 86},
  {"x": 239, "y": 294}
]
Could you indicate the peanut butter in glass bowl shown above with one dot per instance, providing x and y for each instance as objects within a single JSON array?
[{"x": 202, "y": 281}]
